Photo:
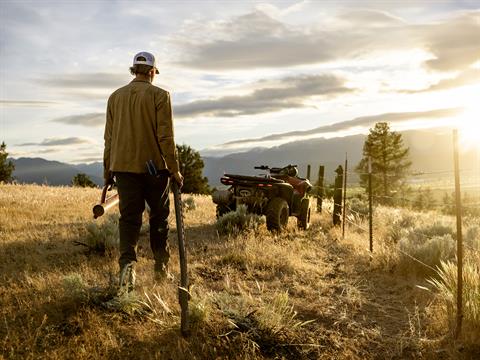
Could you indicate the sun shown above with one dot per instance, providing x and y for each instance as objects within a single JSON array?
[{"x": 468, "y": 122}]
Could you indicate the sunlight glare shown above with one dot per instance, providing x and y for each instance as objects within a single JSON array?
[{"x": 468, "y": 122}]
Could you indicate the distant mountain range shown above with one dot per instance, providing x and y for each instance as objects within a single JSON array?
[
  {"x": 430, "y": 151},
  {"x": 41, "y": 171}
]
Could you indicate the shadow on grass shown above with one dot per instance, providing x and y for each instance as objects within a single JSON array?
[{"x": 38, "y": 254}]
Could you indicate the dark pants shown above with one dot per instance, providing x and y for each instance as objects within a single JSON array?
[{"x": 134, "y": 190}]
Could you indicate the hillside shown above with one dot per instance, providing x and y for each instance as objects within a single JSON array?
[
  {"x": 41, "y": 171},
  {"x": 430, "y": 151},
  {"x": 255, "y": 295}
]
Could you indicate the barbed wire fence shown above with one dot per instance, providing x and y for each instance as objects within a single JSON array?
[{"x": 421, "y": 184}]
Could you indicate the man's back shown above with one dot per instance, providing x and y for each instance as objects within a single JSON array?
[{"x": 139, "y": 128}]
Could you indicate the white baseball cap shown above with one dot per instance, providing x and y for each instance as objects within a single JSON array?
[{"x": 145, "y": 58}]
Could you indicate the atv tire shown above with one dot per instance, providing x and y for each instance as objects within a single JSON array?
[
  {"x": 223, "y": 209},
  {"x": 303, "y": 220},
  {"x": 277, "y": 214}
]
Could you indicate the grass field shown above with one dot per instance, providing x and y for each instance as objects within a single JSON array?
[{"x": 299, "y": 295}]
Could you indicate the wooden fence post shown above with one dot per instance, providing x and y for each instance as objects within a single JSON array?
[
  {"x": 337, "y": 196},
  {"x": 308, "y": 172},
  {"x": 320, "y": 189},
  {"x": 344, "y": 212},
  {"x": 458, "y": 206},
  {"x": 370, "y": 204}
]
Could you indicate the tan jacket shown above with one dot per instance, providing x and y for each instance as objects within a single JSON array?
[{"x": 139, "y": 127}]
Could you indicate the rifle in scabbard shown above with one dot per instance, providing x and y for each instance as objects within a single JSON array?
[{"x": 105, "y": 203}]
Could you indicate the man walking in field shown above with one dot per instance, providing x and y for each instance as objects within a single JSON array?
[{"x": 139, "y": 128}]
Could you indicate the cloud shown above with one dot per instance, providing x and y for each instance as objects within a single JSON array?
[
  {"x": 257, "y": 40},
  {"x": 58, "y": 142},
  {"x": 26, "y": 103},
  {"x": 468, "y": 77},
  {"x": 269, "y": 96},
  {"x": 85, "y": 81},
  {"x": 250, "y": 41},
  {"x": 455, "y": 44},
  {"x": 90, "y": 119},
  {"x": 47, "y": 151},
  {"x": 364, "y": 121},
  {"x": 371, "y": 18},
  {"x": 88, "y": 160},
  {"x": 18, "y": 154},
  {"x": 286, "y": 93}
]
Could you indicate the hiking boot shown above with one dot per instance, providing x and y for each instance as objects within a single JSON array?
[
  {"x": 127, "y": 277},
  {"x": 161, "y": 272}
]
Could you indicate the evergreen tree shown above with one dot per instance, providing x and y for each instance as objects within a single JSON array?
[
  {"x": 82, "y": 180},
  {"x": 191, "y": 167},
  {"x": 389, "y": 162},
  {"x": 424, "y": 200},
  {"x": 448, "y": 202},
  {"x": 6, "y": 167}
]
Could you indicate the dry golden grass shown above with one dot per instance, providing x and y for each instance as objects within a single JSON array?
[{"x": 301, "y": 294}]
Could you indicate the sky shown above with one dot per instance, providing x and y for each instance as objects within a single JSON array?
[{"x": 242, "y": 74}]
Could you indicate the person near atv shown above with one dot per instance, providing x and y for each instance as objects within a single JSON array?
[{"x": 139, "y": 128}]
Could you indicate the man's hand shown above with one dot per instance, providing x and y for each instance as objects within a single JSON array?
[
  {"x": 178, "y": 178},
  {"x": 109, "y": 180}
]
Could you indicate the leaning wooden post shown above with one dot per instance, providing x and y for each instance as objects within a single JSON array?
[
  {"x": 344, "y": 196},
  {"x": 308, "y": 171},
  {"x": 337, "y": 196},
  {"x": 321, "y": 190},
  {"x": 370, "y": 204},
  {"x": 458, "y": 206}
]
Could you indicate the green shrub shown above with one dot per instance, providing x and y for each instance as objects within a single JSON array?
[
  {"x": 103, "y": 237},
  {"x": 431, "y": 251},
  {"x": 189, "y": 204},
  {"x": 472, "y": 237},
  {"x": 74, "y": 287},
  {"x": 238, "y": 221},
  {"x": 83, "y": 180},
  {"x": 436, "y": 229},
  {"x": 128, "y": 303},
  {"x": 277, "y": 315},
  {"x": 358, "y": 206},
  {"x": 400, "y": 226}
]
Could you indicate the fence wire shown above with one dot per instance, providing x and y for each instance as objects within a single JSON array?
[
  {"x": 415, "y": 259},
  {"x": 397, "y": 248},
  {"x": 330, "y": 207}
]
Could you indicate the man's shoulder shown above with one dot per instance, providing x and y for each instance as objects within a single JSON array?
[
  {"x": 159, "y": 91},
  {"x": 119, "y": 90},
  {"x": 160, "y": 95}
]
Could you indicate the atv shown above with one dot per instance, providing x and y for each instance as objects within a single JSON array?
[{"x": 278, "y": 194}]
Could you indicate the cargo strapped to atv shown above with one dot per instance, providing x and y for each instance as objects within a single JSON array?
[{"x": 259, "y": 179}]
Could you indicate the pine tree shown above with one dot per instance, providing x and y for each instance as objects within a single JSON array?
[
  {"x": 82, "y": 180},
  {"x": 191, "y": 167},
  {"x": 424, "y": 200},
  {"x": 448, "y": 202},
  {"x": 6, "y": 167},
  {"x": 390, "y": 162}
]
